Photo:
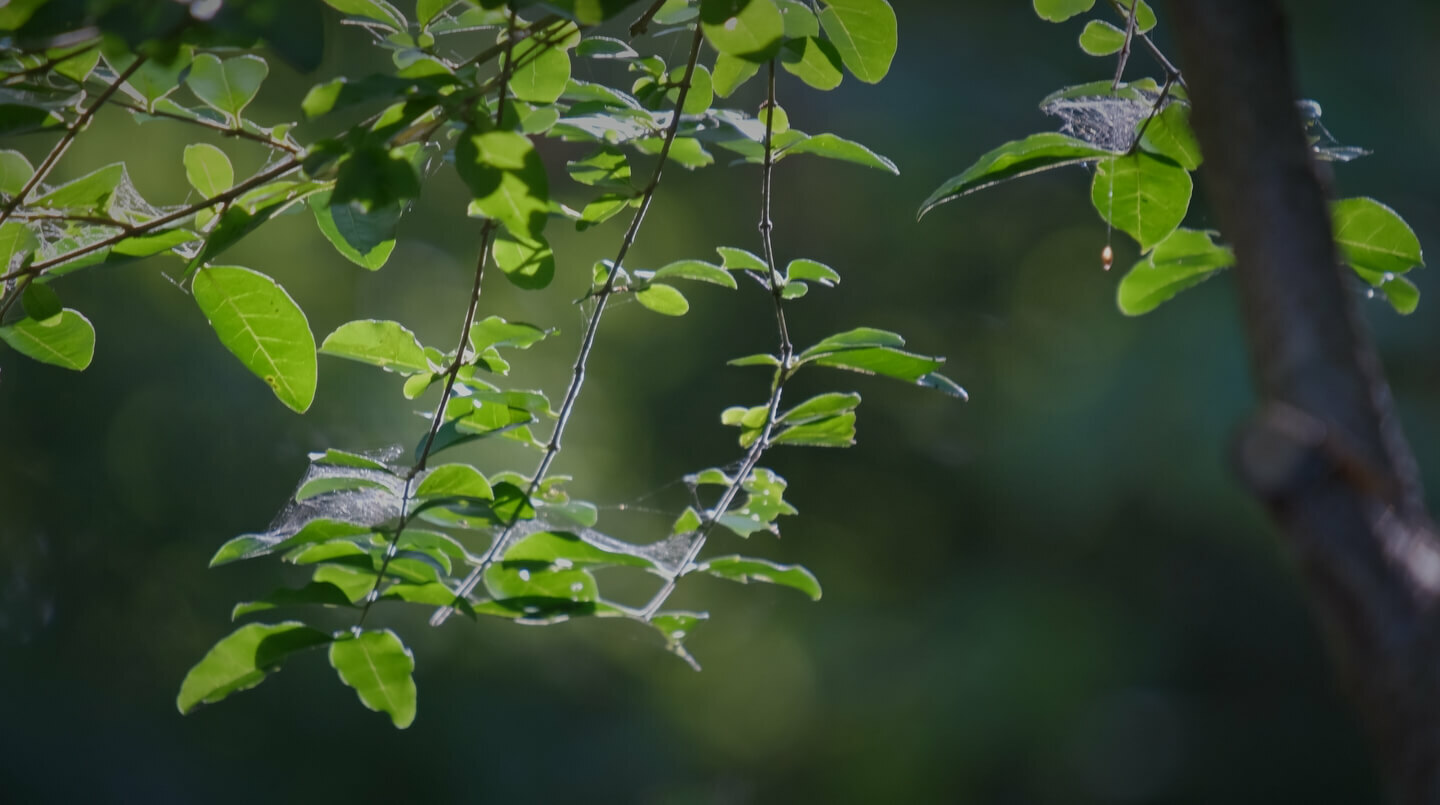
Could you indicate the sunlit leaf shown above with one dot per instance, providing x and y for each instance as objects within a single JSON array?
[
  {"x": 378, "y": 666},
  {"x": 746, "y": 569},
  {"x": 67, "y": 340},
  {"x": 1036, "y": 153},
  {"x": 243, "y": 659},
  {"x": 227, "y": 86},
  {"x": 1186, "y": 258},
  {"x": 745, "y": 29},
  {"x": 1142, "y": 195},
  {"x": 864, "y": 33},
  {"x": 258, "y": 321}
]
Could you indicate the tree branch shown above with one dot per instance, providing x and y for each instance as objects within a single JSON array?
[{"x": 1326, "y": 452}]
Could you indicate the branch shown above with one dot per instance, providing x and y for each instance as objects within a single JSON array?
[
  {"x": 69, "y": 137},
  {"x": 213, "y": 126},
  {"x": 487, "y": 233},
  {"x": 642, "y": 23},
  {"x": 577, "y": 379},
  {"x": 782, "y": 372},
  {"x": 1326, "y": 452},
  {"x": 233, "y": 193}
]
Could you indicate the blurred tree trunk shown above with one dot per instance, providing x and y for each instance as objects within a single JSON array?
[{"x": 1325, "y": 451}]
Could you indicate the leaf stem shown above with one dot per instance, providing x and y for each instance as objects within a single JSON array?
[
  {"x": 642, "y": 23},
  {"x": 782, "y": 372},
  {"x": 587, "y": 344},
  {"x": 1125, "y": 48},
  {"x": 42, "y": 172}
]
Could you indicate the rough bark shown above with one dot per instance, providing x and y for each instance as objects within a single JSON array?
[{"x": 1325, "y": 451}]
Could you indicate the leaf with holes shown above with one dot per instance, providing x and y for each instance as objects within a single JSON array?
[{"x": 258, "y": 321}]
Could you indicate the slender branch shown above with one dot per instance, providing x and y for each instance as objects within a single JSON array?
[
  {"x": 777, "y": 386},
  {"x": 642, "y": 23},
  {"x": 1125, "y": 48},
  {"x": 235, "y": 192},
  {"x": 577, "y": 379},
  {"x": 14, "y": 295},
  {"x": 63, "y": 145},
  {"x": 487, "y": 233},
  {"x": 517, "y": 35},
  {"x": 1155, "y": 51},
  {"x": 1154, "y": 110},
  {"x": 213, "y": 126}
]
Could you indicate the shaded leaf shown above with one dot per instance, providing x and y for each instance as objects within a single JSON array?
[
  {"x": 67, "y": 340},
  {"x": 243, "y": 659},
  {"x": 1036, "y": 153}
]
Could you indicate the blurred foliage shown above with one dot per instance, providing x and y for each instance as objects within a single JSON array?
[{"x": 1052, "y": 594}]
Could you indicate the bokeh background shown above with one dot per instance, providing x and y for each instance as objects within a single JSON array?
[{"x": 1054, "y": 593}]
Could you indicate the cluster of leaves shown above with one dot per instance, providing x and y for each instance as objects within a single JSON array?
[
  {"x": 1137, "y": 135},
  {"x": 372, "y": 528}
]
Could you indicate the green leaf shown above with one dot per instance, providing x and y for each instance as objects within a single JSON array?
[
  {"x": 702, "y": 90},
  {"x": 746, "y": 29},
  {"x": 696, "y": 270},
  {"x": 890, "y": 362},
  {"x": 1142, "y": 195},
  {"x": 1100, "y": 38},
  {"x": 663, "y": 299},
  {"x": 506, "y": 179},
  {"x": 316, "y": 592},
  {"x": 258, "y": 321},
  {"x": 1186, "y": 258},
  {"x": 745, "y": 570},
  {"x": 365, "y": 238},
  {"x": 41, "y": 303},
  {"x": 227, "y": 86},
  {"x": 377, "y": 10},
  {"x": 814, "y": 61},
  {"x": 523, "y": 580},
  {"x": 326, "y": 484},
  {"x": 455, "y": 480},
  {"x": 1036, "y": 153},
  {"x": 865, "y": 34},
  {"x": 90, "y": 192},
  {"x": 1374, "y": 238},
  {"x": 528, "y": 264},
  {"x": 800, "y": 20},
  {"x": 835, "y": 431},
  {"x": 820, "y": 407},
  {"x": 67, "y": 340},
  {"x": 733, "y": 259},
  {"x": 833, "y": 147},
  {"x": 378, "y": 666},
  {"x": 208, "y": 169},
  {"x": 493, "y": 331},
  {"x": 15, "y": 171},
  {"x": 563, "y": 550},
  {"x": 543, "y": 72},
  {"x": 755, "y": 360},
  {"x": 729, "y": 73},
  {"x": 1061, "y": 10},
  {"x": 156, "y": 78},
  {"x": 813, "y": 272},
  {"x": 342, "y": 458},
  {"x": 1402, "y": 295},
  {"x": 1169, "y": 135},
  {"x": 857, "y": 338},
  {"x": 607, "y": 167},
  {"x": 243, "y": 659},
  {"x": 248, "y": 546}
]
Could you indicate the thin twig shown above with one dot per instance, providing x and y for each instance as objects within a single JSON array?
[
  {"x": 577, "y": 379},
  {"x": 518, "y": 35},
  {"x": 14, "y": 295},
  {"x": 642, "y": 23},
  {"x": 36, "y": 269},
  {"x": 1125, "y": 48},
  {"x": 1155, "y": 51},
  {"x": 487, "y": 233},
  {"x": 1154, "y": 110},
  {"x": 777, "y": 386},
  {"x": 42, "y": 172},
  {"x": 213, "y": 126}
]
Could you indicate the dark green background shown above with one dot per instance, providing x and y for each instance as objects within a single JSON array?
[{"x": 1052, "y": 594}]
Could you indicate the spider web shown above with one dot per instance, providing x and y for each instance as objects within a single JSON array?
[{"x": 1110, "y": 122}]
